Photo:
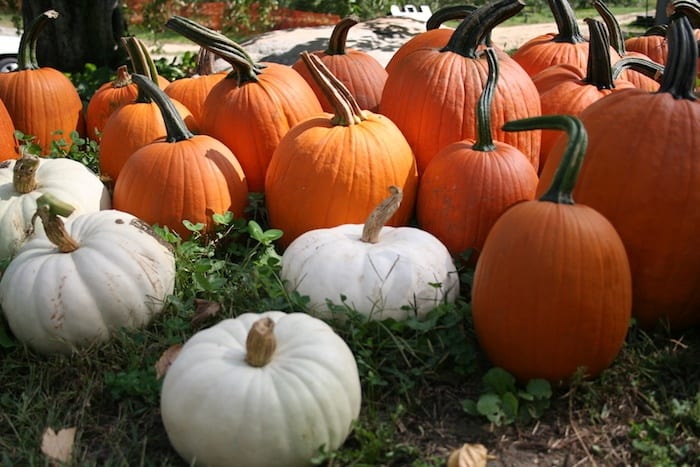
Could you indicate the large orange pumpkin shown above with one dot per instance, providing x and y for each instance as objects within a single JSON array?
[
  {"x": 470, "y": 183},
  {"x": 181, "y": 177},
  {"x": 431, "y": 95},
  {"x": 333, "y": 169},
  {"x": 41, "y": 101},
  {"x": 642, "y": 175},
  {"x": 106, "y": 99},
  {"x": 552, "y": 288},
  {"x": 254, "y": 106}
]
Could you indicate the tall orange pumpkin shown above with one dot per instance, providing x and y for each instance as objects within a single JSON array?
[
  {"x": 642, "y": 175},
  {"x": 254, "y": 106},
  {"x": 181, "y": 177},
  {"x": 431, "y": 95},
  {"x": 333, "y": 169},
  {"x": 552, "y": 288},
  {"x": 41, "y": 101},
  {"x": 468, "y": 185}
]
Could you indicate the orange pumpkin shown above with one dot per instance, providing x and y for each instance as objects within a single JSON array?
[
  {"x": 431, "y": 95},
  {"x": 41, "y": 101},
  {"x": 646, "y": 185},
  {"x": 468, "y": 185},
  {"x": 333, "y": 169},
  {"x": 552, "y": 288},
  {"x": 359, "y": 71},
  {"x": 9, "y": 148},
  {"x": 106, "y": 99},
  {"x": 181, "y": 177},
  {"x": 254, "y": 106}
]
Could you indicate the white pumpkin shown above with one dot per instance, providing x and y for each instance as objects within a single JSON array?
[
  {"x": 68, "y": 180},
  {"x": 261, "y": 390},
  {"x": 106, "y": 270},
  {"x": 383, "y": 272}
]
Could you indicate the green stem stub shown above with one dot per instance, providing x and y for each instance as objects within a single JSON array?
[
  {"x": 564, "y": 16},
  {"x": 339, "y": 35},
  {"x": 564, "y": 180},
  {"x": 48, "y": 209},
  {"x": 484, "y": 136},
  {"x": 680, "y": 71},
  {"x": 26, "y": 55}
]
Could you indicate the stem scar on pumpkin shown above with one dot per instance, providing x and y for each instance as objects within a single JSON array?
[{"x": 381, "y": 214}]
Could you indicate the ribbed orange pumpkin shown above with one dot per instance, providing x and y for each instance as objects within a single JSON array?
[
  {"x": 552, "y": 288},
  {"x": 359, "y": 71},
  {"x": 9, "y": 148},
  {"x": 41, "y": 100},
  {"x": 646, "y": 185},
  {"x": 106, "y": 99},
  {"x": 565, "y": 89},
  {"x": 431, "y": 95},
  {"x": 469, "y": 184},
  {"x": 652, "y": 44},
  {"x": 254, "y": 107},
  {"x": 333, "y": 169},
  {"x": 182, "y": 177}
]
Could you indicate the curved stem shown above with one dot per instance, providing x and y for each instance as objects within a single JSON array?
[
  {"x": 690, "y": 8},
  {"x": 381, "y": 214},
  {"x": 48, "y": 209},
  {"x": 448, "y": 13},
  {"x": 681, "y": 65},
  {"x": 565, "y": 177},
  {"x": 205, "y": 62},
  {"x": 567, "y": 27},
  {"x": 141, "y": 63},
  {"x": 26, "y": 55},
  {"x": 484, "y": 136},
  {"x": 174, "y": 124},
  {"x": 471, "y": 32},
  {"x": 339, "y": 35},
  {"x": 642, "y": 65},
  {"x": 617, "y": 39},
  {"x": 657, "y": 30},
  {"x": 346, "y": 109},
  {"x": 260, "y": 343},
  {"x": 598, "y": 70},
  {"x": 24, "y": 173}
]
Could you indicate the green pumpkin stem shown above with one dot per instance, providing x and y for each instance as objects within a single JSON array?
[
  {"x": 484, "y": 136},
  {"x": 244, "y": 68},
  {"x": 565, "y": 18},
  {"x": 564, "y": 180},
  {"x": 26, "y": 55},
  {"x": 346, "y": 109},
  {"x": 174, "y": 124},
  {"x": 641, "y": 65},
  {"x": 205, "y": 62},
  {"x": 598, "y": 70},
  {"x": 378, "y": 218},
  {"x": 141, "y": 63},
  {"x": 260, "y": 344},
  {"x": 339, "y": 35},
  {"x": 472, "y": 31},
  {"x": 48, "y": 209},
  {"x": 689, "y": 8},
  {"x": 24, "y": 173},
  {"x": 680, "y": 71},
  {"x": 448, "y": 13},
  {"x": 617, "y": 39}
]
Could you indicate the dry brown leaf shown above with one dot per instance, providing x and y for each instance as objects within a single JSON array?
[
  {"x": 167, "y": 359},
  {"x": 469, "y": 455},
  {"x": 204, "y": 309},
  {"x": 58, "y": 446}
]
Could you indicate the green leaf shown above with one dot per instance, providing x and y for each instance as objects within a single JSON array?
[
  {"x": 499, "y": 381},
  {"x": 469, "y": 406},
  {"x": 223, "y": 219},
  {"x": 540, "y": 388},
  {"x": 271, "y": 235},
  {"x": 511, "y": 405},
  {"x": 489, "y": 405},
  {"x": 255, "y": 231}
]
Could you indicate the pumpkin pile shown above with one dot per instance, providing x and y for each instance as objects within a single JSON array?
[{"x": 579, "y": 209}]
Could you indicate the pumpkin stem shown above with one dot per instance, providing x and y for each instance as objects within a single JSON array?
[
  {"x": 48, "y": 209},
  {"x": 690, "y": 8},
  {"x": 26, "y": 55},
  {"x": 381, "y": 215},
  {"x": 567, "y": 27},
  {"x": 346, "y": 109},
  {"x": 565, "y": 177},
  {"x": 641, "y": 65},
  {"x": 24, "y": 173},
  {"x": 471, "y": 32},
  {"x": 617, "y": 39},
  {"x": 245, "y": 69},
  {"x": 339, "y": 35},
  {"x": 141, "y": 62},
  {"x": 205, "y": 62},
  {"x": 681, "y": 66},
  {"x": 260, "y": 344},
  {"x": 448, "y": 13},
  {"x": 123, "y": 77},
  {"x": 598, "y": 70},
  {"x": 174, "y": 124},
  {"x": 484, "y": 136}
]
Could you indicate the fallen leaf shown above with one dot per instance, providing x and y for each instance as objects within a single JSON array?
[
  {"x": 469, "y": 455},
  {"x": 167, "y": 359},
  {"x": 204, "y": 309},
  {"x": 58, "y": 446}
]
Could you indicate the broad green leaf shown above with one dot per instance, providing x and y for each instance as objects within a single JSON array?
[
  {"x": 540, "y": 388},
  {"x": 499, "y": 381}
]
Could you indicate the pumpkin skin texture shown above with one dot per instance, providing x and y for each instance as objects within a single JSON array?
[
  {"x": 222, "y": 411},
  {"x": 552, "y": 288},
  {"x": 8, "y": 143},
  {"x": 117, "y": 277},
  {"x": 645, "y": 185},
  {"x": 106, "y": 99},
  {"x": 404, "y": 267},
  {"x": 70, "y": 180}
]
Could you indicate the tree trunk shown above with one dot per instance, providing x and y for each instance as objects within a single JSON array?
[{"x": 86, "y": 31}]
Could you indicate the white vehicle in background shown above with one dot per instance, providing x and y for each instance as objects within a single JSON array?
[{"x": 9, "y": 47}]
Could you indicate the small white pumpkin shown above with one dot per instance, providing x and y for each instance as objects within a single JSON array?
[
  {"x": 261, "y": 390},
  {"x": 383, "y": 272},
  {"x": 99, "y": 272},
  {"x": 24, "y": 180}
]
